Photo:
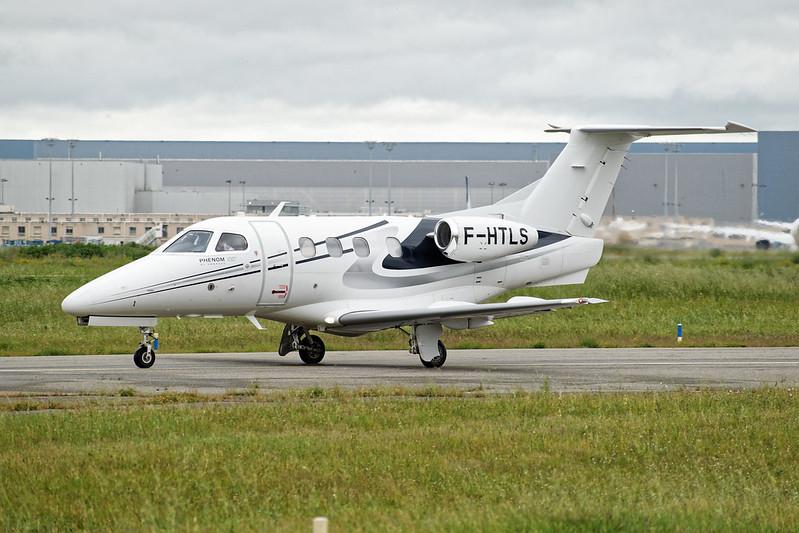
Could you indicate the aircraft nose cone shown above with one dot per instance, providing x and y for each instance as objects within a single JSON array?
[{"x": 76, "y": 304}]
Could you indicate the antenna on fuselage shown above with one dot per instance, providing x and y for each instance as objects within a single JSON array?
[{"x": 276, "y": 211}]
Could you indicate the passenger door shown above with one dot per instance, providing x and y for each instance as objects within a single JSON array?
[{"x": 276, "y": 262}]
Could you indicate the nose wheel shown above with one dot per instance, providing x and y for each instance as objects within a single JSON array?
[{"x": 144, "y": 356}]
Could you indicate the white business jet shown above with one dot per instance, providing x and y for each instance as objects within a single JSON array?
[{"x": 354, "y": 275}]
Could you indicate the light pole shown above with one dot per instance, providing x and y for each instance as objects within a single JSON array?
[
  {"x": 49, "y": 198},
  {"x": 3, "y": 181},
  {"x": 677, "y": 181},
  {"x": 389, "y": 147},
  {"x": 71, "y": 144},
  {"x": 502, "y": 186},
  {"x": 243, "y": 183},
  {"x": 371, "y": 146},
  {"x": 491, "y": 188},
  {"x": 674, "y": 148},
  {"x": 229, "y": 186}
]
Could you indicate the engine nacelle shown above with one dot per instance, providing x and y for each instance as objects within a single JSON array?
[{"x": 471, "y": 239}]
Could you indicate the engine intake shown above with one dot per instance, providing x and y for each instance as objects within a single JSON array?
[{"x": 470, "y": 239}]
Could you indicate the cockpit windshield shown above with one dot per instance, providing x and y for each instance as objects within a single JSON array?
[{"x": 194, "y": 241}]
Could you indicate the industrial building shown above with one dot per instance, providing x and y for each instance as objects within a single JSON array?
[{"x": 57, "y": 180}]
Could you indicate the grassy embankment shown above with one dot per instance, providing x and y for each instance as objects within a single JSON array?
[
  {"x": 392, "y": 460},
  {"x": 724, "y": 299}
]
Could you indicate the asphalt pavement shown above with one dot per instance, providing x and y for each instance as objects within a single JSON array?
[{"x": 629, "y": 369}]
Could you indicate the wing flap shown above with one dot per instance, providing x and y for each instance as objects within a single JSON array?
[{"x": 520, "y": 305}]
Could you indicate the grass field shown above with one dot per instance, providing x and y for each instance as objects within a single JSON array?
[
  {"x": 723, "y": 299},
  {"x": 437, "y": 460}
]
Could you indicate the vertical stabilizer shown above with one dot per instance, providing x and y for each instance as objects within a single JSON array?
[
  {"x": 574, "y": 192},
  {"x": 572, "y": 195}
]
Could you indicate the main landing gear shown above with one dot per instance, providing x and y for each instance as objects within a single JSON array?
[
  {"x": 144, "y": 356},
  {"x": 426, "y": 342},
  {"x": 310, "y": 347}
]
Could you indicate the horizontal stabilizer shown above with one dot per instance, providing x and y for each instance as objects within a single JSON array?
[
  {"x": 516, "y": 306},
  {"x": 648, "y": 131}
]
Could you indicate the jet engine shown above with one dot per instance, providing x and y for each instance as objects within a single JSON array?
[{"x": 470, "y": 239}]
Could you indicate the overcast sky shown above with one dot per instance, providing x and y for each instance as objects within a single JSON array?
[{"x": 451, "y": 70}]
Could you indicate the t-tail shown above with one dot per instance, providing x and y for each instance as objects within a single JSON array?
[{"x": 574, "y": 192}]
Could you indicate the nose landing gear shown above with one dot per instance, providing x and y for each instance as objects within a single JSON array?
[{"x": 144, "y": 356}]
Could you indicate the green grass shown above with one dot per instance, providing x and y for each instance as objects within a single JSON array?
[
  {"x": 723, "y": 299},
  {"x": 390, "y": 459}
]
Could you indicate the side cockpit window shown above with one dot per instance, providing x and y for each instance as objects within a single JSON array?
[
  {"x": 195, "y": 241},
  {"x": 230, "y": 242}
]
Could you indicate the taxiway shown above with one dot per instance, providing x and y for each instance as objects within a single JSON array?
[{"x": 501, "y": 370}]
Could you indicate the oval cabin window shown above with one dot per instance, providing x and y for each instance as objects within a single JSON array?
[
  {"x": 394, "y": 247},
  {"x": 307, "y": 247},
  {"x": 334, "y": 247},
  {"x": 361, "y": 246}
]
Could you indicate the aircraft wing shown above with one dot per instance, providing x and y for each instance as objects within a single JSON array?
[{"x": 443, "y": 311}]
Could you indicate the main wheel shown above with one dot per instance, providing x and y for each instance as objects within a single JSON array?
[
  {"x": 439, "y": 360},
  {"x": 143, "y": 357},
  {"x": 314, "y": 352}
]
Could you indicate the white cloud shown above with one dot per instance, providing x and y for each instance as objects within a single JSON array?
[{"x": 405, "y": 70}]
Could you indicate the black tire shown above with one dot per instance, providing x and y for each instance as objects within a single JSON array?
[
  {"x": 144, "y": 358},
  {"x": 314, "y": 352},
  {"x": 437, "y": 361}
]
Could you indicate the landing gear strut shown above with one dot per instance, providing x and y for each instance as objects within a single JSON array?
[
  {"x": 426, "y": 343},
  {"x": 144, "y": 356},
  {"x": 310, "y": 347}
]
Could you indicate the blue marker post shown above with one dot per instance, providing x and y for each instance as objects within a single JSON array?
[{"x": 679, "y": 332}]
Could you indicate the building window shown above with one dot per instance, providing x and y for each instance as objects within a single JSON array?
[
  {"x": 132, "y": 231},
  {"x": 178, "y": 230},
  {"x": 307, "y": 247},
  {"x": 21, "y": 230},
  {"x": 6, "y": 230},
  {"x": 117, "y": 230},
  {"x": 82, "y": 219},
  {"x": 53, "y": 230},
  {"x": 334, "y": 247},
  {"x": 100, "y": 230},
  {"x": 109, "y": 219},
  {"x": 69, "y": 231},
  {"x": 361, "y": 246}
]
